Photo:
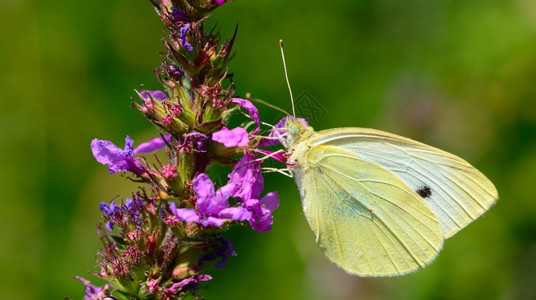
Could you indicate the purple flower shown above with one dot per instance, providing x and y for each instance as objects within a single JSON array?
[
  {"x": 117, "y": 214},
  {"x": 153, "y": 145},
  {"x": 133, "y": 209},
  {"x": 158, "y": 95},
  {"x": 253, "y": 111},
  {"x": 184, "y": 43},
  {"x": 236, "y": 137},
  {"x": 246, "y": 182},
  {"x": 177, "y": 15},
  {"x": 212, "y": 207},
  {"x": 93, "y": 292},
  {"x": 197, "y": 139},
  {"x": 107, "y": 153},
  {"x": 278, "y": 132},
  {"x": 261, "y": 218},
  {"x": 220, "y": 2},
  {"x": 190, "y": 283},
  {"x": 109, "y": 210},
  {"x": 112, "y": 212},
  {"x": 222, "y": 250},
  {"x": 226, "y": 250}
]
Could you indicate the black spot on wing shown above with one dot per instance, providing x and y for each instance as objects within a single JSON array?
[{"x": 424, "y": 191}]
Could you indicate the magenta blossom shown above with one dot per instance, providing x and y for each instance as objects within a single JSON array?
[
  {"x": 261, "y": 211},
  {"x": 246, "y": 183},
  {"x": 212, "y": 206},
  {"x": 184, "y": 31},
  {"x": 94, "y": 292},
  {"x": 153, "y": 145},
  {"x": 220, "y": 2},
  {"x": 236, "y": 137},
  {"x": 157, "y": 95},
  {"x": 117, "y": 159},
  {"x": 120, "y": 160},
  {"x": 197, "y": 139},
  {"x": 190, "y": 283},
  {"x": 253, "y": 111}
]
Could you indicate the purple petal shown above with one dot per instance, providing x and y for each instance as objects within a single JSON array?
[
  {"x": 268, "y": 142},
  {"x": 109, "y": 226},
  {"x": 203, "y": 189},
  {"x": 262, "y": 224},
  {"x": 253, "y": 111},
  {"x": 131, "y": 206},
  {"x": 198, "y": 139},
  {"x": 235, "y": 213},
  {"x": 245, "y": 181},
  {"x": 261, "y": 219},
  {"x": 212, "y": 221},
  {"x": 105, "y": 208},
  {"x": 254, "y": 206},
  {"x": 129, "y": 143},
  {"x": 93, "y": 292},
  {"x": 106, "y": 152},
  {"x": 270, "y": 201},
  {"x": 133, "y": 211},
  {"x": 115, "y": 208},
  {"x": 178, "y": 15},
  {"x": 152, "y": 145},
  {"x": 194, "y": 279},
  {"x": 226, "y": 250},
  {"x": 236, "y": 137},
  {"x": 157, "y": 95},
  {"x": 208, "y": 202},
  {"x": 117, "y": 160},
  {"x": 184, "y": 43},
  {"x": 187, "y": 215},
  {"x": 220, "y": 2}
]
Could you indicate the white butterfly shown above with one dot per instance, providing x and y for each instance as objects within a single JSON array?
[{"x": 381, "y": 204}]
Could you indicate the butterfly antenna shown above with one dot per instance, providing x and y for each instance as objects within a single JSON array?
[
  {"x": 286, "y": 77},
  {"x": 250, "y": 97}
]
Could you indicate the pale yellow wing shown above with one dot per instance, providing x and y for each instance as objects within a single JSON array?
[
  {"x": 365, "y": 219},
  {"x": 457, "y": 192}
]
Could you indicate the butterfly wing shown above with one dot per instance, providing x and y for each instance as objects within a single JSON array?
[
  {"x": 365, "y": 219},
  {"x": 457, "y": 192}
]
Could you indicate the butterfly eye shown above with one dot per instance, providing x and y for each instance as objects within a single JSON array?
[{"x": 293, "y": 129}]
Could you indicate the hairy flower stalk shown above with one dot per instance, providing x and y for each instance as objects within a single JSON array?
[{"x": 158, "y": 242}]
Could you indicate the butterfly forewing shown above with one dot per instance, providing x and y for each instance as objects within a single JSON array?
[
  {"x": 365, "y": 218},
  {"x": 457, "y": 192}
]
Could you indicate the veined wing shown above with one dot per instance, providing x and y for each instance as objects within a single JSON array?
[
  {"x": 457, "y": 192},
  {"x": 366, "y": 220}
]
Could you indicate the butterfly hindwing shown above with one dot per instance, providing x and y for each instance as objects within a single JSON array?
[{"x": 365, "y": 218}]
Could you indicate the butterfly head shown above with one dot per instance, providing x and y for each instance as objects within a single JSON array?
[{"x": 294, "y": 130}]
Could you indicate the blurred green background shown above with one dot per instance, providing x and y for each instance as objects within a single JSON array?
[{"x": 459, "y": 75}]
